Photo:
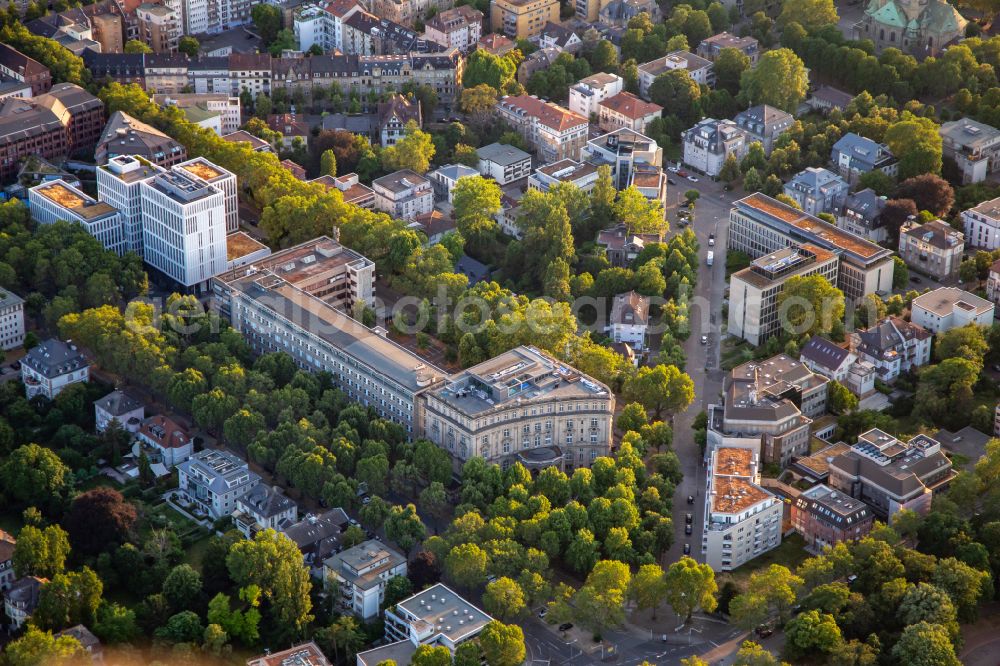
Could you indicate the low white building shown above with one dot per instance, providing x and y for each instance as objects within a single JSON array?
[
  {"x": 700, "y": 70},
  {"x": 217, "y": 111},
  {"x": 503, "y": 163},
  {"x": 581, "y": 174},
  {"x": 444, "y": 180},
  {"x": 52, "y": 366},
  {"x": 57, "y": 200},
  {"x": 214, "y": 480},
  {"x": 742, "y": 520},
  {"x": 630, "y": 319},
  {"x": 436, "y": 616},
  {"x": 165, "y": 441},
  {"x": 982, "y": 225},
  {"x": 264, "y": 508},
  {"x": 946, "y": 308},
  {"x": 708, "y": 144},
  {"x": 404, "y": 194},
  {"x": 11, "y": 320},
  {"x": 119, "y": 406},
  {"x": 974, "y": 146},
  {"x": 588, "y": 93},
  {"x": 359, "y": 576}
]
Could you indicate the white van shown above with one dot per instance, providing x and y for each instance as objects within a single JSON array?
[{"x": 710, "y": 257}]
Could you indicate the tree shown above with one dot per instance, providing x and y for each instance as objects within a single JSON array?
[
  {"x": 182, "y": 586},
  {"x": 414, "y": 151},
  {"x": 632, "y": 418},
  {"x": 929, "y": 192},
  {"x": 915, "y": 141},
  {"x": 968, "y": 342},
  {"x": 404, "y": 526},
  {"x": 427, "y": 655},
  {"x": 925, "y": 644},
  {"x": 730, "y": 169},
  {"x": 134, "y": 46},
  {"x": 771, "y": 589},
  {"x": 677, "y": 91},
  {"x": 810, "y": 14},
  {"x": 482, "y": 67},
  {"x": 811, "y": 632},
  {"x": 878, "y": 181},
  {"x": 274, "y": 564},
  {"x": 752, "y": 654},
  {"x": 810, "y": 306},
  {"x": 840, "y": 400},
  {"x": 189, "y": 46},
  {"x": 649, "y": 587},
  {"x": 115, "y": 624},
  {"x": 240, "y": 624},
  {"x": 184, "y": 627},
  {"x": 504, "y": 599},
  {"x": 40, "y": 552},
  {"x": 41, "y": 648},
  {"x": 944, "y": 391},
  {"x": 328, "y": 163},
  {"x": 267, "y": 19},
  {"x": 900, "y": 273},
  {"x": 927, "y": 603},
  {"x": 729, "y": 67},
  {"x": 503, "y": 644},
  {"x": 68, "y": 599},
  {"x": 465, "y": 564},
  {"x": 663, "y": 387},
  {"x": 600, "y": 601},
  {"x": 476, "y": 203},
  {"x": 779, "y": 78},
  {"x": 33, "y": 475},
  {"x": 344, "y": 634},
  {"x": 99, "y": 520},
  {"x": 690, "y": 586}
]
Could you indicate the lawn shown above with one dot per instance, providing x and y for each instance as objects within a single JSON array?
[
  {"x": 97, "y": 482},
  {"x": 194, "y": 553},
  {"x": 790, "y": 553}
]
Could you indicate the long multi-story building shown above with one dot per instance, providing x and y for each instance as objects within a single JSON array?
[
  {"x": 57, "y": 200},
  {"x": 554, "y": 132},
  {"x": 215, "y": 16},
  {"x": 754, "y": 292},
  {"x": 360, "y": 575},
  {"x": 184, "y": 228},
  {"x": 742, "y": 520},
  {"x": 160, "y": 27},
  {"x": 982, "y": 225},
  {"x": 118, "y": 184},
  {"x": 825, "y": 517},
  {"x": 27, "y": 70},
  {"x": 521, "y": 19},
  {"x": 760, "y": 225},
  {"x": 890, "y": 475},
  {"x": 11, "y": 320}
]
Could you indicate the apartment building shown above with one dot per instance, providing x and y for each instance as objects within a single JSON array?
[
  {"x": 894, "y": 346},
  {"x": 118, "y": 184},
  {"x": 628, "y": 111},
  {"x": 224, "y": 108},
  {"x": 403, "y": 194},
  {"x": 503, "y": 163},
  {"x": 521, "y": 19},
  {"x": 587, "y": 94},
  {"x": 625, "y": 151},
  {"x": 760, "y": 225},
  {"x": 262, "y": 508},
  {"x": 817, "y": 190},
  {"x": 982, "y": 225},
  {"x": 459, "y": 28},
  {"x": 359, "y": 575},
  {"x": 861, "y": 215},
  {"x": 945, "y": 308},
  {"x": 993, "y": 283},
  {"x": 933, "y": 248},
  {"x": 56, "y": 200},
  {"x": 214, "y": 479},
  {"x": 26, "y": 70},
  {"x": 184, "y": 228},
  {"x": 7, "y": 543},
  {"x": 160, "y": 27},
  {"x": 219, "y": 178},
  {"x": 589, "y": 10},
  {"x": 408, "y": 12},
  {"x": 708, "y": 144},
  {"x": 118, "y": 406},
  {"x": 839, "y": 364},
  {"x": 754, "y": 292},
  {"x": 351, "y": 189},
  {"x": 306, "y": 654},
  {"x": 890, "y": 475},
  {"x": 854, "y": 155},
  {"x": 581, "y": 174},
  {"x": 215, "y": 16},
  {"x": 52, "y": 366},
  {"x": 165, "y": 441},
  {"x": 629, "y": 319},
  {"x": 742, "y": 520},
  {"x": 621, "y": 246},
  {"x": 825, "y": 517},
  {"x": 498, "y": 45},
  {"x": 702, "y": 71},
  {"x": 323, "y": 24},
  {"x": 763, "y": 124},
  {"x": 710, "y": 47},
  {"x": 124, "y": 135},
  {"x": 11, "y": 320},
  {"x": 553, "y": 132},
  {"x": 974, "y": 146},
  {"x": 394, "y": 115},
  {"x": 522, "y": 406},
  {"x": 436, "y": 616},
  {"x": 318, "y": 537},
  {"x": 445, "y": 178}
]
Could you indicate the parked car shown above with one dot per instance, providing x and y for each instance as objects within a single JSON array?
[
  {"x": 366, "y": 500},
  {"x": 915, "y": 279},
  {"x": 704, "y": 339},
  {"x": 693, "y": 179},
  {"x": 671, "y": 181},
  {"x": 687, "y": 549},
  {"x": 542, "y": 613},
  {"x": 682, "y": 174},
  {"x": 690, "y": 499},
  {"x": 565, "y": 626},
  {"x": 672, "y": 169},
  {"x": 688, "y": 518},
  {"x": 687, "y": 530},
  {"x": 711, "y": 240},
  {"x": 763, "y": 631}
]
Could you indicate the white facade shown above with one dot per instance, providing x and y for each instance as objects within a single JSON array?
[
  {"x": 586, "y": 96},
  {"x": 119, "y": 406},
  {"x": 118, "y": 183},
  {"x": 948, "y": 307},
  {"x": 223, "y": 180},
  {"x": 710, "y": 142},
  {"x": 630, "y": 319},
  {"x": 184, "y": 228},
  {"x": 700, "y": 70},
  {"x": 436, "y": 616},
  {"x": 982, "y": 225},
  {"x": 361, "y": 573},
  {"x": 215, "y": 16},
  {"x": 52, "y": 366},
  {"x": 894, "y": 346},
  {"x": 503, "y": 163},
  {"x": 404, "y": 194},
  {"x": 11, "y": 320},
  {"x": 57, "y": 200},
  {"x": 215, "y": 479}
]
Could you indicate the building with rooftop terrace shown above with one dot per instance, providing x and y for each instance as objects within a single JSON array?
[
  {"x": 164, "y": 441},
  {"x": 56, "y": 200},
  {"x": 861, "y": 215},
  {"x": 586, "y": 95},
  {"x": 221, "y": 179},
  {"x": 974, "y": 146},
  {"x": 358, "y": 576},
  {"x": 817, "y": 190},
  {"x": 11, "y": 320},
  {"x": 854, "y": 155},
  {"x": 119, "y": 406},
  {"x": 945, "y": 308},
  {"x": 118, "y": 184},
  {"x": 52, "y": 366},
  {"x": 553, "y": 132},
  {"x": 934, "y": 248},
  {"x": 742, "y": 519},
  {"x": 521, "y": 406},
  {"x": 436, "y": 616},
  {"x": 224, "y": 108},
  {"x": 624, "y": 151},
  {"x": 894, "y": 346},
  {"x": 581, "y": 174},
  {"x": 754, "y": 291},
  {"x": 702, "y": 71},
  {"x": 264, "y": 508},
  {"x": 318, "y": 537},
  {"x": 503, "y": 163},
  {"x": 763, "y": 124},
  {"x": 889, "y": 474},
  {"x": 825, "y": 517},
  {"x": 404, "y": 194},
  {"x": 184, "y": 228},
  {"x": 710, "y": 143},
  {"x": 769, "y": 406},
  {"x": 982, "y": 225},
  {"x": 306, "y": 654},
  {"x": 124, "y": 135},
  {"x": 214, "y": 479},
  {"x": 710, "y": 47},
  {"x": 244, "y": 250},
  {"x": 760, "y": 225}
]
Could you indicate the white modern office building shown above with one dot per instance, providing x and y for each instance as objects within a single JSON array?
[
  {"x": 57, "y": 200},
  {"x": 946, "y": 308},
  {"x": 118, "y": 184},
  {"x": 224, "y": 181}
]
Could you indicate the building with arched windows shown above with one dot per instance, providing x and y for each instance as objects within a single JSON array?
[{"x": 919, "y": 27}]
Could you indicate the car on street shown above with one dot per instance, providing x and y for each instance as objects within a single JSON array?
[
  {"x": 542, "y": 613},
  {"x": 672, "y": 169},
  {"x": 690, "y": 499},
  {"x": 687, "y": 530},
  {"x": 915, "y": 279},
  {"x": 688, "y": 518},
  {"x": 671, "y": 181},
  {"x": 682, "y": 174},
  {"x": 565, "y": 626},
  {"x": 763, "y": 631},
  {"x": 711, "y": 240},
  {"x": 693, "y": 179},
  {"x": 687, "y": 549},
  {"x": 704, "y": 339}
]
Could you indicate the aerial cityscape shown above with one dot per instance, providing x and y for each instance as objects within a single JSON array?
[{"x": 500, "y": 332}]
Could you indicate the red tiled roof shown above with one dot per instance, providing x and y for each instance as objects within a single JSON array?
[
  {"x": 630, "y": 106},
  {"x": 548, "y": 114}
]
